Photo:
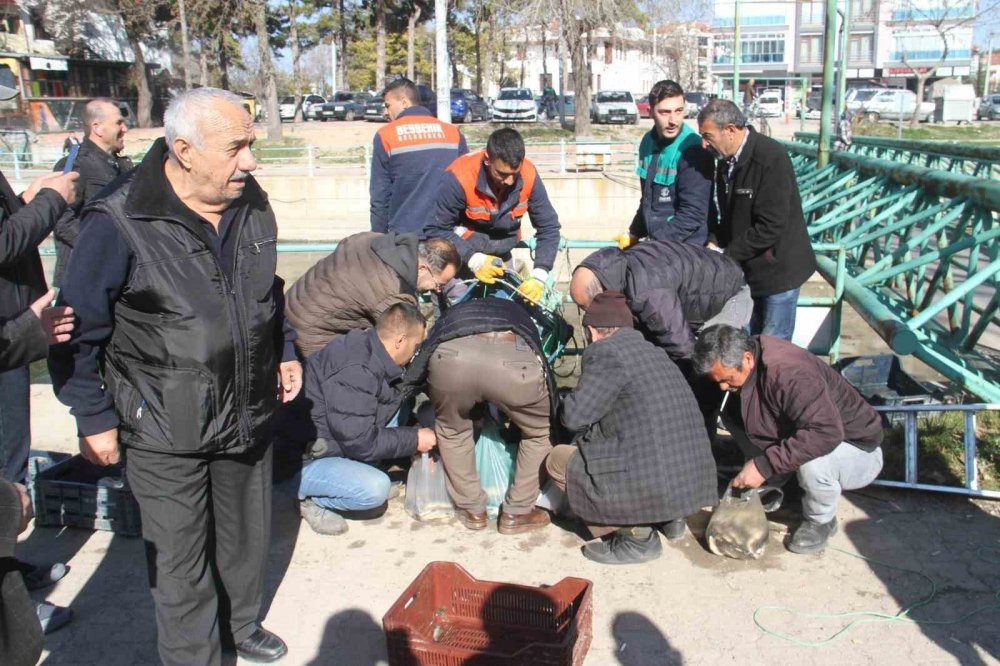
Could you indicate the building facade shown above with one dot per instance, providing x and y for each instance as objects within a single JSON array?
[{"x": 781, "y": 43}]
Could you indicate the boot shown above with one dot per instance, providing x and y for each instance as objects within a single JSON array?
[
  {"x": 811, "y": 537},
  {"x": 674, "y": 530},
  {"x": 322, "y": 521},
  {"x": 629, "y": 545}
]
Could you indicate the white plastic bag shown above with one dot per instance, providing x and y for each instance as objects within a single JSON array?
[{"x": 426, "y": 494}]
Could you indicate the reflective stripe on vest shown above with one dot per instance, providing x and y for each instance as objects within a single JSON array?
[
  {"x": 479, "y": 207},
  {"x": 417, "y": 133}
]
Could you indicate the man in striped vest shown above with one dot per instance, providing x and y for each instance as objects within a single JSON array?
[
  {"x": 480, "y": 203},
  {"x": 409, "y": 156}
]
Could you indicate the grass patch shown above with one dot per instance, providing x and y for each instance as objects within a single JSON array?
[
  {"x": 287, "y": 148},
  {"x": 941, "y": 453},
  {"x": 986, "y": 133},
  {"x": 477, "y": 134}
]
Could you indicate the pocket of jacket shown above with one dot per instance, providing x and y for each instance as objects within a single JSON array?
[
  {"x": 176, "y": 409},
  {"x": 259, "y": 261},
  {"x": 607, "y": 465}
]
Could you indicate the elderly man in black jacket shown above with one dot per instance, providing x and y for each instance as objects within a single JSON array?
[
  {"x": 760, "y": 216},
  {"x": 98, "y": 161},
  {"x": 640, "y": 457},
  {"x": 792, "y": 413},
  {"x": 182, "y": 357},
  {"x": 353, "y": 391}
]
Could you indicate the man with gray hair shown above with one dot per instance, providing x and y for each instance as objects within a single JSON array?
[
  {"x": 760, "y": 221},
  {"x": 791, "y": 413},
  {"x": 179, "y": 358},
  {"x": 98, "y": 161}
]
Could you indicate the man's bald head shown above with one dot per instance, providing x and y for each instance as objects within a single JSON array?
[
  {"x": 104, "y": 124},
  {"x": 584, "y": 287}
]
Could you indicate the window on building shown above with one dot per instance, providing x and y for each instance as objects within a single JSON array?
[
  {"x": 861, "y": 49},
  {"x": 811, "y": 50},
  {"x": 760, "y": 47},
  {"x": 862, "y": 10}
]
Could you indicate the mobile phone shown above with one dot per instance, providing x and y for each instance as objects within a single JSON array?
[
  {"x": 73, "y": 150},
  {"x": 55, "y": 299}
]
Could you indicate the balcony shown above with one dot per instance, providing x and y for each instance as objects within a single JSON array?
[
  {"x": 930, "y": 56},
  {"x": 750, "y": 58},
  {"x": 749, "y": 21},
  {"x": 914, "y": 15}
]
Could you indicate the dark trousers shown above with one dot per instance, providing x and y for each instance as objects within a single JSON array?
[
  {"x": 15, "y": 424},
  {"x": 206, "y": 521}
]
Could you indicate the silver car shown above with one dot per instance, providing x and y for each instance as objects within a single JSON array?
[{"x": 989, "y": 108}]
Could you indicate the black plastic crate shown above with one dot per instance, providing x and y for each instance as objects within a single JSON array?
[
  {"x": 71, "y": 492},
  {"x": 882, "y": 381}
]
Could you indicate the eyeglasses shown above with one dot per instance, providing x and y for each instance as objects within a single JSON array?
[{"x": 437, "y": 285}]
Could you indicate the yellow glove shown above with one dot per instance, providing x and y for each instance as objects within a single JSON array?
[
  {"x": 532, "y": 289},
  {"x": 625, "y": 241},
  {"x": 486, "y": 268}
]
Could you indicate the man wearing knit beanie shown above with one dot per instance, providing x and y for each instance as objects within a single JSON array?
[{"x": 640, "y": 457}]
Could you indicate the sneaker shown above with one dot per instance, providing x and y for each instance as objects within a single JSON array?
[
  {"x": 52, "y": 618},
  {"x": 39, "y": 577},
  {"x": 811, "y": 537},
  {"x": 674, "y": 530},
  {"x": 630, "y": 545},
  {"x": 321, "y": 520}
]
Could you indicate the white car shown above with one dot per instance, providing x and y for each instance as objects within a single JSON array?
[
  {"x": 614, "y": 106},
  {"x": 515, "y": 105},
  {"x": 310, "y": 103},
  {"x": 770, "y": 105},
  {"x": 895, "y": 104}
]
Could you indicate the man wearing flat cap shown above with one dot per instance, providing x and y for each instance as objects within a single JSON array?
[{"x": 640, "y": 458}]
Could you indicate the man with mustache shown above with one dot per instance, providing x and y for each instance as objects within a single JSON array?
[
  {"x": 760, "y": 221},
  {"x": 181, "y": 358},
  {"x": 675, "y": 175},
  {"x": 99, "y": 161}
]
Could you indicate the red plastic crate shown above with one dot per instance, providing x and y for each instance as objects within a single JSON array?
[{"x": 448, "y": 618}]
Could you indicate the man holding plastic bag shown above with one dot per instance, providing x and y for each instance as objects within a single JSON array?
[
  {"x": 353, "y": 389},
  {"x": 640, "y": 457},
  {"x": 488, "y": 350}
]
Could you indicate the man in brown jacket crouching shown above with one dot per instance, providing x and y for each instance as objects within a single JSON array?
[
  {"x": 361, "y": 279},
  {"x": 791, "y": 412}
]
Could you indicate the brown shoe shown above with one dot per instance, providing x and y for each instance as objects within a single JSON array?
[
  {"x": 474, "y": 521},
  {"x": 520, "y": 523}
]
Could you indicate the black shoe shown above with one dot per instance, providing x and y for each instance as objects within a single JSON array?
[
  {"x": 39, "y": 577},
  {"x": 674, "y": 530},
  {"x": 630, "y": 545},
  {"x": 262, "y": 647},
  {"x": 812, "y": 537}
]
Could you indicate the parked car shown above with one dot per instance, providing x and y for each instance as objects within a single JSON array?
[
  {"x": 694, "y": 102},
  {"x": 614, "y": 106},
  {"x": 344, "y": 106},
  {"x": 467, "y": 106},
  {"x": 769, "y": 105},
  {"x": 428, "y": 98},
  {"x": 310, "y": 105},
  {"x": 569, "y": 102},
  {"x": 642, "y": 104},
  {"x": 895, "y": 104},
  {"x": 375, "y": 110},
  {"x": 856, "y": 98},
  {"x": 989, "y": 108},
  {"x": 515, "y": 105}
]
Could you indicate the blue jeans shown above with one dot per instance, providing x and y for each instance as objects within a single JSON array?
[
  {"x": 342, "y": 484},
  {"x": 775, "y": 314},
  {"x": 15, "y": 424}
]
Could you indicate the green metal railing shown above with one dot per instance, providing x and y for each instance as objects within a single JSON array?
[
  {"x": 976, "y": 161},
  {"x": 914, "y": 251}
]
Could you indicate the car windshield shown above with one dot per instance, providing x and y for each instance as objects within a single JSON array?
[
  {"x": 516, "y": 93},
  {"x": 288, "y": 100},
  {"x": 375, "y": 100},
  {"x": 613, "y": 97},
  {"x": 694, "y": 97},
  {"x": 770, "y": 99},
  {"x": 865, "y": 95},
  {"x": 996, "y": 99},
  {"x": 343, "y": 97}
]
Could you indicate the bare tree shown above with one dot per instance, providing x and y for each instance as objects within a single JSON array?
[
  {"x": 942, "y": 18},
  {"x": 259, "y": 10},
  {"x": 411, "y": 29},
  {"x": 380, "y": 44}
]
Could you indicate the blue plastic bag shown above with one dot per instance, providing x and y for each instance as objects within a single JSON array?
[{"x": 495, "y": 461}]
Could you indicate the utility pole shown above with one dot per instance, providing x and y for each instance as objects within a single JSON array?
[
  {"x": 989, "y": 60},
  {"x": 441, "y": 43},
  {"x": 829, "y": 44},
  {"x": 736, "y": 54},
  {"x": 845, "y": 41},
  {"x": 333, "y": 63},
  {"x": 562, "y": 57}
]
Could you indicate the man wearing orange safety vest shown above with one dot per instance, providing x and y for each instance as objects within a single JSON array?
[
  {"x": 408, "y": 158},
  {"x": 480, "y": 203}
]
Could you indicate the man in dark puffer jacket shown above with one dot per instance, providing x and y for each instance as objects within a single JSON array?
[{"x": 353, "y": 392}]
